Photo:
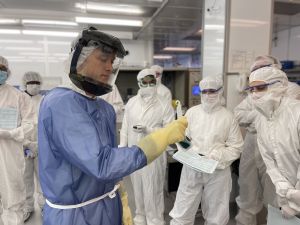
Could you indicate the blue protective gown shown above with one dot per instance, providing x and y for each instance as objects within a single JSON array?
[{"x": 78, "y": 158}]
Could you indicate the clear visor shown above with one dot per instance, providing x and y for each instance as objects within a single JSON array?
[{"x": 99, "y": 62}]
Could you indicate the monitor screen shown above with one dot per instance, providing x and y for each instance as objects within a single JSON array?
[{"x": 196, "y": 90}]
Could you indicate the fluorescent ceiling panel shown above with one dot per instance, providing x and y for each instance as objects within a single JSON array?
[
  {"x": 9, "y": 31},
  {"x": 106, "y": 21},
  {"x": 49, "y": 22},
  {"x": 214, "y": 27},
  {"x": 50, "y": 33},
  {"x": 162, "y": 57},
  {"x": 179, "y": 49},
  {"x": 9, "y": 21},
  {"x": 110, "y": 8},
  {"x": 9, "y": 41},
  {"x": 23, "y": 49}
]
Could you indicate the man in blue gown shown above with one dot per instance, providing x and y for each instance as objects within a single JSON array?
[{"x": 79, "y": 163}]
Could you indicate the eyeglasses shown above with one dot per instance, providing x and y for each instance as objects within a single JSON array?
[
  {"x": 33, "y": 82},
  {"x": 260, "y": 87},
  {"x": 210, "y": 91},
  {"x": 148, "y": 80}
]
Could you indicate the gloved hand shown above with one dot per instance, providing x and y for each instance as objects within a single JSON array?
[
  {"x": 154, "y": 144},
  {"x": 294, "y": 196},
  {"x": 139, "y": 129},
  {"x": 287, "y": 212},
  {"x": 5, "y": 134},
  {"x": 215, "y": 155},
  {"x": 127, "y": 217},
  {"x": 29, "y": 154}
]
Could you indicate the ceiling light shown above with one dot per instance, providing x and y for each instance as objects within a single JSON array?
[
  {"x": 179, "y": 49},
  {"x": 9, "y": 31},
  {"x": 50, "y": 22},
  {"x": 50, "y": 33},
  {"x": 23, "y": 49},
  {"x": 214, "y": 27},
  {"x": 162, "y": 57},
  {"x": 20, "y": 60},
  {"x": 7, "y": 41},
  {"x": 106, "y": 21},
  {"x": 114, "y": 8},
  {"x": 32, "y": 53},
  {"x": 9, "y": 21}
]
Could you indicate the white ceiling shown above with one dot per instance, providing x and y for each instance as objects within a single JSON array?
[{"x": 167, "y": 22}]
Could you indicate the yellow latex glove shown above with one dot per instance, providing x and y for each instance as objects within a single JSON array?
[
  {"x": 154, "y": 144},
  {"x": 127, "y": 217}
]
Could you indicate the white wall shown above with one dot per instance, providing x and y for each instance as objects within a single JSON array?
[
  {"x": 47, "y": 55},
  {"x": 249, "y": 36},
  {"x": 213, "y": 37}
]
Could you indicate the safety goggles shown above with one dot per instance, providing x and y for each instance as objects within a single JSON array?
[
  {"x": 210, "y": 91},
  {"x": 148, "y": 80},
  {"x": 33, "y": 82},
  {"x": 3, "y": 68},
  {"x": 260, "y": 87}
]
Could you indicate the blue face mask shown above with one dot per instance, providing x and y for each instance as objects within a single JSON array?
[{"x": 3, "y": 76}]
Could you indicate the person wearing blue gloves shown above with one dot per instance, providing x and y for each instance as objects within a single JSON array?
[
  {"x": 79, "y": 162},
  {"x": 16, "y": 125}
]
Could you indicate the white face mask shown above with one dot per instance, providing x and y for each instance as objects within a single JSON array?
[
  {"x": 33, "y": 89},
  {"x": 210, "y": 102},
  {"x": 266, "y": 103},
  {"x": 257, "y": 95},
  {"x": 148, "y": 93}
]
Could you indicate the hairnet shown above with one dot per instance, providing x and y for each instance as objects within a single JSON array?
[
  {"x": 31, "y": 76},
  {"x": 157, "y": 69},
  {"x": 211, "y": 82},
  {"x": 145, "y": 72},
  {"x": 269, "y": 74},
  {"x": 265, "y": 60},
  {"x": 4, "y": 62}
]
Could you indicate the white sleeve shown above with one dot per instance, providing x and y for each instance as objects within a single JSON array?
[
  {"x": 245, "y": 112},
  {"x": 27, "y": 116},
  {"x": 124, "y": 130},
  {"x": 232, "y": 149}
]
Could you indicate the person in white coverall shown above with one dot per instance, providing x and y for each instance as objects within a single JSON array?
[
  {"x": 17, "y": 106},
  {"x": 114, "y": 98},
  {"x": 32, "y": 85},
  {"x": 215, "y": 134},
  {"x": 255, "y": 186},
  {"x": 162, "y": 90},
  {"x": 278, "y": 126},
  {"x": 145, "y": 113}
]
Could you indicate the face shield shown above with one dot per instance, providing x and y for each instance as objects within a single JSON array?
[{"x": 95, "y": 62}]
